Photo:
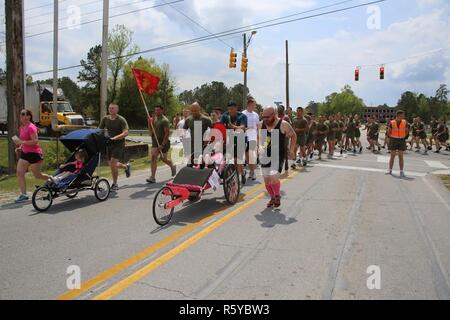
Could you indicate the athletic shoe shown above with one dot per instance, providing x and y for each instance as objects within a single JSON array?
[
  {"x": 114, "y": 187},
  {"x": 330, "y": 156},
  {"x": 22, "y": 198},
  {"x": 402, "y": 174},
  {"x": 354, "y": 151},
  {"x": 425, "y": 152},
  {"x": 311, "y": 155},
  {"x": 270, "y": 203},
  {"x": 293, "y": 166},
  {"x": 299, "y": 161},
  {"x": 151, "y": 180},
  {"x": 174, "y": 171},
  {"x": 252, "y": 176},
  {"x": 128, "y": 170},
  {"x": 277, "y": 202},
  {"x": 437, "y": 151},
  {"x": 389, "y": 172}
]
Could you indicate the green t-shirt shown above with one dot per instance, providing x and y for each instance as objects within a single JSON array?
[
  {"x": 301, "y": 123},
  {"x": 189, "y": 125},
  {"x": 351, "y": 127},
  {"x": 322, "y": 127},
  {"x": 114, "y": 127},
  {"x": 373, "y": 129},
  {"x": 332, "y": 125},
  {"x": 434, "y": 125},
  {"x": 160, "y": 124}
]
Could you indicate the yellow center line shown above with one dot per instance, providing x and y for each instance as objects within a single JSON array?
[
  {"x": 139, "y": 274},
  {"x": 125, "y": 264}
]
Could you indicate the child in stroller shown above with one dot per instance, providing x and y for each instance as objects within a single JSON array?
[{"x": 80, "y": 159}]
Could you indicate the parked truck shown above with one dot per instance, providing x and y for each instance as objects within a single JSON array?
[{"x": 39, "y": 99}]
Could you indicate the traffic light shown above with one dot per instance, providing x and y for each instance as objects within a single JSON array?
[
  {"x": 244, "y": 63},
  {"x": 357, "y": 74},
  {"x": 233, "y": 59},
  {"x": 382, "y": 73}
]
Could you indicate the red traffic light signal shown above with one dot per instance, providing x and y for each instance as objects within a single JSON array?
[
  {"x": 357, "y": 74},
  {"x": 382, "y": 73}
]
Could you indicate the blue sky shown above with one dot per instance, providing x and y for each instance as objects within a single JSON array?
[{"x": 324, "y": 51}]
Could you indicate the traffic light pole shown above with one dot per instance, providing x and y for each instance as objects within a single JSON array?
[{"x": 244, "y": 97}]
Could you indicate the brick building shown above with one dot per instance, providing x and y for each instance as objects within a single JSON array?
[{"x": 382, "y": 113}]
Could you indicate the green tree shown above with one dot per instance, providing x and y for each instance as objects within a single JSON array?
[
  {"x": 345, "y": 102},
  {"x": 129, "y": 99},
  {"x": 313, "y": 107},
  {"x": 121, "y": 48},
  {"x": 71, "y": 91},
  {"x": 408, "y": 102},
  {"x": 90, "y": 75}
]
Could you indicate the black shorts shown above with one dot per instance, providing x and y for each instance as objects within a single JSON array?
[
  {"x": 280, "y": 165},
  {"x": 397, "y": 144},
  {"x": 115, "y": 150},
  {"x": 31, "y": 157}
]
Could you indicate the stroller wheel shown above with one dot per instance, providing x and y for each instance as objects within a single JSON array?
[
  {"x": 102, "y": 189},
  {"x": 42, "y": 198},
  {"x": 161, "y": 214},
  {"x": 231, "y": 185},
  {"x": 72, "y": 194}
]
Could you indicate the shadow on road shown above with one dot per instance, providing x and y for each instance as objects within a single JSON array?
[
  {"x": 68, "y": 205},
  {"x": 270, "y": 218},
  {"x": 193, "y": 212}
]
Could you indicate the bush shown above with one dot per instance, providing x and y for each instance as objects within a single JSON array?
[{"x": 50, "y": 158}]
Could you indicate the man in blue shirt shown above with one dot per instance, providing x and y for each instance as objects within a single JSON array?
[{"x": 236, "y": 122}]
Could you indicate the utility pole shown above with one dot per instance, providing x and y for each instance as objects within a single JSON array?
[
  {"x": 287, "y": 75},
  {"x": 104, "y": 68},
  {"x": 55, "y": 74},
  {"x": 244, "y": 96},
  {"x": 55, "y": 65},
  {"x": 14, "y": 73}
]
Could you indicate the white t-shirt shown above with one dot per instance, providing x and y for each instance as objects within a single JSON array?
[
  {"x": 181, "y": 132},
  {"x": 252, "y": 125}
]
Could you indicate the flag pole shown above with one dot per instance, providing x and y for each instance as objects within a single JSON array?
[{"x": 151, "y": 124}]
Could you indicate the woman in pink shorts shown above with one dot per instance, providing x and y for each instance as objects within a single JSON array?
[{"x": 30, "y": 155}]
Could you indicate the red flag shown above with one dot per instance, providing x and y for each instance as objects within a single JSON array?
[{"x": 146, "y": 81}]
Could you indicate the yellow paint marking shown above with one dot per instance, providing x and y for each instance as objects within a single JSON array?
[
  {"x": 136, "y": 276},
  {"x": 121, "y": 266}
]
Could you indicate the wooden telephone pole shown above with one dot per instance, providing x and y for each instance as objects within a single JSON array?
[{"x": 15, "y": 80}]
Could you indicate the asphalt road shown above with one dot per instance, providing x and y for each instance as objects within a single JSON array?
[{"x": 338, "y": 218}]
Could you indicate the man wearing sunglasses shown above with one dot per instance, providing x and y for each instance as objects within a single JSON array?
[{"x": 273, "y": 146}]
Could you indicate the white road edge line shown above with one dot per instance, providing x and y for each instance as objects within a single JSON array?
[
  {"x": 414, "y": 174},
  {"x": 438, "y": 195}
]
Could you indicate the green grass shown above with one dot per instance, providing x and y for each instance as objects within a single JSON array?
[
  {"x": 9, "y": 183},
  {"x": 446, "y": 180}
]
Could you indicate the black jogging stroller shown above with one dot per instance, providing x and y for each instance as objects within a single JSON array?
[{"x": 93, "y": 141}]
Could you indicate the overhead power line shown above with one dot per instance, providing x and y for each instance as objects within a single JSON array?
[
  {"x": 86, "y": 13},
  {"x": 225, "y": 34},
  {"x": 101, "y": 19}
]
